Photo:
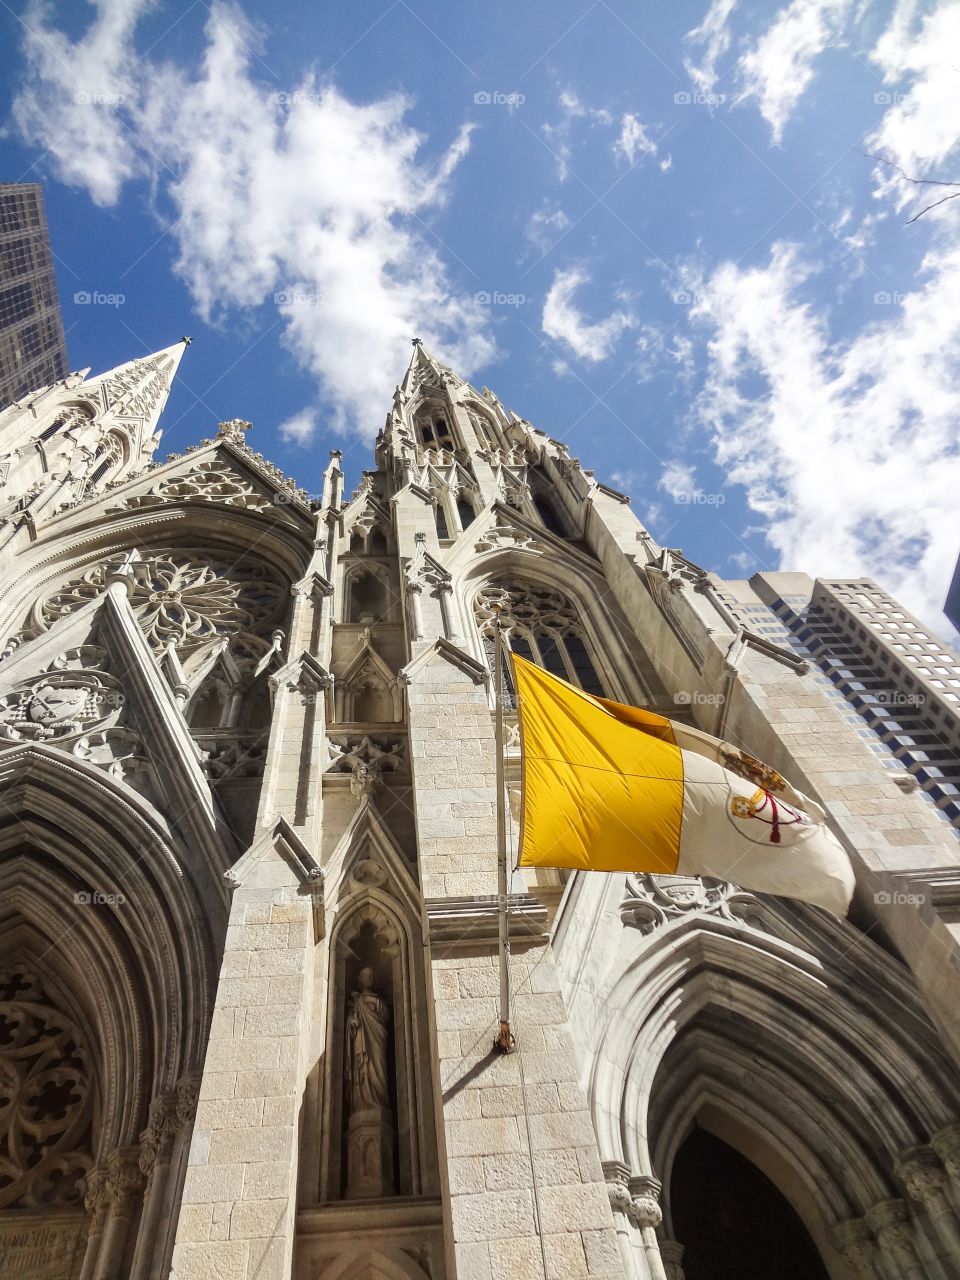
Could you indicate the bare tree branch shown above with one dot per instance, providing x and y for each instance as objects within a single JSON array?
[{"x": 918, "y": 182}]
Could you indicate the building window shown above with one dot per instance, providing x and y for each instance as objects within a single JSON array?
[{"x": 541, "y": 625}]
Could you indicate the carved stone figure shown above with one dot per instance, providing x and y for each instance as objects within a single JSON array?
[
  {"x": 367, "y": 1037},
  {"x": 366, "y": 1070}
]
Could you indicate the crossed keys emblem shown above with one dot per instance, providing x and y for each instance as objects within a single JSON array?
[{"x": 53, "y": 703}]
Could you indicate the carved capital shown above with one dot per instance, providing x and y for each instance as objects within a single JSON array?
[
  {"x": 856, "y": 1242},
  {"x": 188, "y": 1091},
  {"x": 124, "y": 1179},
  {"x": 96, "y": 1199},
  {"x": 924, "y": 1176},
  {"x": 157, "y": 1137},
  {"x": 645, "y": 1193},
  {"x": 946, "y": 1144},
  {"x": 893, "y": 1227}
]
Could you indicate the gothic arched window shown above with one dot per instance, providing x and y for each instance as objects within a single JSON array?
[{"x": 541, "y": 625}]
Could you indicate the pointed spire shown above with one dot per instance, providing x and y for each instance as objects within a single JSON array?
[
  {"x": 425, "y": 368},
  {"x": 139, "y": 388}
]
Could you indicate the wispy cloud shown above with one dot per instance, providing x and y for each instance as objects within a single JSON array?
[
  {"x": 305, "y": 200},
  {"x": 563, "y": 320}
]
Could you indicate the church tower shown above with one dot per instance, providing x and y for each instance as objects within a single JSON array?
[{"x": 249, "y": 940}]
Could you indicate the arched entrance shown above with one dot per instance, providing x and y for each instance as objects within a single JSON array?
[{"x": 731, "y": 1220}]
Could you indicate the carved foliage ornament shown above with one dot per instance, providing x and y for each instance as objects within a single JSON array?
[
  {"x": 212, "y": 480},
  {"x": 652, "y": 901},
  {"x": 46, "y": 1099}
]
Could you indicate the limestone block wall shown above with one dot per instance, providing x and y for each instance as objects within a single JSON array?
[{"x": 237, "y": 1216}]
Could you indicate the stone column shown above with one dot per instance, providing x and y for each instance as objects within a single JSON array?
[
  {"x": 156, "y": 1147},
  {"x": 125, "y": 1185},
  {"x": 95, "y": 1201},
  {"x": 617, "y": 1176},
  {"x": 926, "y": 1181},
  {"x": 892, "y": 1225},
  {"x": 856, "y": 1242},
  {"x": 645, "y": 1191}
]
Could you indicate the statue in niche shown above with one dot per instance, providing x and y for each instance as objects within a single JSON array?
[
  {"x": 366, "y": 1065},
  {"x": 367, "y": 1035}
]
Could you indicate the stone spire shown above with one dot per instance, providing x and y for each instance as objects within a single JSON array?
[{"x": 136, "y": 392}]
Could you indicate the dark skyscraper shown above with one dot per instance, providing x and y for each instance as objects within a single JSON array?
[{"x": 33, "y": 352}]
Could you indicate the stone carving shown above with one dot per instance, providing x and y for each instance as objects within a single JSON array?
[
  {"x": 212, "y": 480},
  {"x": 366, "y": 759},
  {"x": 59, "y": 704},
  {"x": 184, "y": 599},
  {"x": 232, "y": 759},
  {"x": 366, "y": 1068},
  {"x": 652, "y": 901},
  {"x": 136, "y": 390},
  {"x": 504, "y": 535},
  {"x": 46, "y": 1099}
]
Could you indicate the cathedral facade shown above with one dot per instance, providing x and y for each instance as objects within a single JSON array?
[{"x": 248, "y": 830}]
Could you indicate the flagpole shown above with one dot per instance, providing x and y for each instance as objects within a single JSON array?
[{"x": 504, "y": 1041}]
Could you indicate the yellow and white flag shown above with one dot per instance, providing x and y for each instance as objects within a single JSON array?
[{"x": 606, "y": 787}]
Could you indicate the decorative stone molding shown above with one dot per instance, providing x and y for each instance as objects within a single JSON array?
[
  {"x": 125, "y": 1180},
  {"x": 187, "y": 1093},
  {"x": 926, "y": 1180}
]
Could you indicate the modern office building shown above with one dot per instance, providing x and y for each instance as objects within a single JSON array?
[{"x": 33, "y": 352}]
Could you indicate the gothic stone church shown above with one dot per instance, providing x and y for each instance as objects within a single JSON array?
[{"x": 249, "y": 896}]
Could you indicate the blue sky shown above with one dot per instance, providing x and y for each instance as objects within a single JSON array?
[{"x": 653, "y": 230}]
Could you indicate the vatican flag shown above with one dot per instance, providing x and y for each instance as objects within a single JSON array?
[{"x": 606, "y": 787}]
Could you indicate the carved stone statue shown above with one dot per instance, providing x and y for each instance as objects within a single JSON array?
[
  {"x": 366, "y": 1072},
  {"x": 367, "y": 1035}
]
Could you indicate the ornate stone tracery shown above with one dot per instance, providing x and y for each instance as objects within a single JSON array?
[
  {"x": 187, "y": 599},
  {"x": 541, "y": 624},
  {"x": 46, "y": 1099}
]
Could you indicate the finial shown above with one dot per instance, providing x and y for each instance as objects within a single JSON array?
[
  {"x": 336, "y": 455},
  {"x": 234, "y": 429},
  {"x": 186, "y": 341},
  {"x": 416, "y": 341}
]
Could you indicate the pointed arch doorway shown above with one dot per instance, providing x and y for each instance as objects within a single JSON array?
[{"x": 731, "y": 1219}]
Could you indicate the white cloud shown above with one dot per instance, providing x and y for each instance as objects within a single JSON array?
[
  {"x": 848, "y": 450},
  {"x": 714, "y": 35},
  {"x": 778, "y": 69},
  {"x": 545, "y": 226},
  {"x": 679, "y": 480},
  {"x": 633, "y": 141},
  {"x": 564, "y": 321},
  {"x": 558, "y": 135},
  {"x": 75, "y": 93},
  {"x": 301, "y": 428},
  {"x": 307, "y": 200},
  {"x": 921, "y": 128}
]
